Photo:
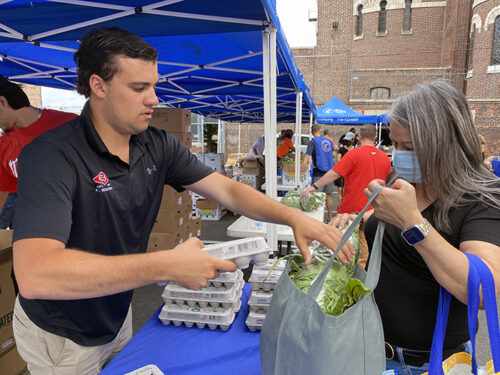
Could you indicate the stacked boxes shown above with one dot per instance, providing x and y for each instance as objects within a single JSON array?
[
  {"x": 174, "y": 222},
  {"x": 176, "y": 121},
  {"x": 10, "y": 361},
  {"x": 253, "y": 172}
]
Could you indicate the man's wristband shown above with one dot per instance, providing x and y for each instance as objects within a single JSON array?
[{"x": 314, "y": 186}]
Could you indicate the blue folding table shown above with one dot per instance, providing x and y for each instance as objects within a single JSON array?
[{"x": 192, "y": 351}]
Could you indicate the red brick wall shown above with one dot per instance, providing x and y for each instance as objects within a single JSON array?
[{"x": 437, "y": 48}]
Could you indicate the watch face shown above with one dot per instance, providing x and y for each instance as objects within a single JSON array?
[{"x": 413, "y": 235}]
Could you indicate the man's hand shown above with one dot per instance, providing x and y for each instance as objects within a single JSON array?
[
  {"x": 396, "y": 205},
  {"x": 309, "y": 190},
  {"x": 189, "y": 266},
  {"x": 307, "y": 229}
]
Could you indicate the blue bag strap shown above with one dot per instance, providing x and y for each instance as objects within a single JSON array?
[
  {"x": 479, "y": 274},
  {"x": 490, "y": 305},
  {"x": 318, "y": 283},
  {"x": 436, "y": 358}
]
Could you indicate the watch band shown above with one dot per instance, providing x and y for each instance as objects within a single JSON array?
[
  {"x": 416, "y": 233},
  {"x": 315, "y": 186}
]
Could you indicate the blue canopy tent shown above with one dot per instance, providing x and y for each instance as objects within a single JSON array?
[
  {"x": 221, "y": 58},
  {"x": 337, "y": 112}
]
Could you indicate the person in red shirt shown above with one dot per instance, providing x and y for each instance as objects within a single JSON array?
[
  {"x": 20, "y": 123},
  {"x": 285, "y": 145},
  {"x": 358, "y": 167}
]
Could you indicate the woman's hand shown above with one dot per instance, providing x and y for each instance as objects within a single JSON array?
[{"x": 396, "y": 205}]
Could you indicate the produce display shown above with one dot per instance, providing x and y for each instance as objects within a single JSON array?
[
  {"x": 340, "y": 290},
  {"x": 308, "y": 203}
]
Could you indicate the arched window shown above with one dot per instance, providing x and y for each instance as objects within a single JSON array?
[
  {"x": 359, "y": 21},
  {"x": 407, "y": 16},
  {"x": 471, "y": 45},
  {"x": 495, "y": 53},
  {"x": 380, "y": 93},
  {"x": 382, "y": 17}
]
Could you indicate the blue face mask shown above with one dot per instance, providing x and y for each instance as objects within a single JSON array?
[{"x": 406, "y": 165}]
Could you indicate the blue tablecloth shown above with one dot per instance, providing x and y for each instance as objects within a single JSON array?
[{"x": 192, "y": 351}]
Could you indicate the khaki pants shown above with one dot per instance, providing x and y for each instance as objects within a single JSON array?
[
  {"x": 363, "y": 250},
  {"x": 49, "y": 354}
]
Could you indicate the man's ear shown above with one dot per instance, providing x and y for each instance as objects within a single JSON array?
[
  {"x": 97, "y": 86},
  {"x": 3, "y": 101}
]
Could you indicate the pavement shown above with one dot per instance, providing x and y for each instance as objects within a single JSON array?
[{"x": 148, "y": 299}]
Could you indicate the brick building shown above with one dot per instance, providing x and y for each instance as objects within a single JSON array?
[{"x": 369, "y": 52}]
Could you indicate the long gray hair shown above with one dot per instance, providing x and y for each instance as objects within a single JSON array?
[{"x": 447, "y": 147}]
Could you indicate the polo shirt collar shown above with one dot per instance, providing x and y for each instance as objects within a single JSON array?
[{"x": 94, "y": 138}]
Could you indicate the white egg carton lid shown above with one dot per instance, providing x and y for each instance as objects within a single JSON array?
[
  {"x": 255, "y": 321},
  {"x": 201, "y": 317},
  {"x": 146, "y": 370},
  {"x": 208, "y": 294},
  {"x": 280, "y": 266},
  {"x": 226, "y": 279},
  {"x": 261, "y": 279},
  {"x": 260, "y": 297},
  {"x": 242, "y": 251},
  {"x": 235, "y": 304}
]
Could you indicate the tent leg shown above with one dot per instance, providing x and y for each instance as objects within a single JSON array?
[
  {"x": 269, "y": 75},
  {"x": 298, "y": 137}
]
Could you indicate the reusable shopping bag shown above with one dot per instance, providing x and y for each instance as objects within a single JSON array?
[
  {"x": 299, "y": 338},
  {"x": 465, "y": 363}
]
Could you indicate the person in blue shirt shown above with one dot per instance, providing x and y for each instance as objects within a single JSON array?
[{"x": 321, "y": 151}]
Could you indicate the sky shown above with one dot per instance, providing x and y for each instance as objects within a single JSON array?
[{"x": 294, "y": 19}]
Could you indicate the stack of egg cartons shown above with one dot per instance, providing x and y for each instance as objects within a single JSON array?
[
  {"x": 262, "y": 282},
  {"x": 217, "y": 303}
]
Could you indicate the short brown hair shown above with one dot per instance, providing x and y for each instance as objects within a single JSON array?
[
  {"x": 315, "y": 128},
  {"x": 368, "y": 131}
]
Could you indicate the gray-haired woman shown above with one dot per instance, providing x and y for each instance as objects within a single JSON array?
[{"x": 443, "y": 203}]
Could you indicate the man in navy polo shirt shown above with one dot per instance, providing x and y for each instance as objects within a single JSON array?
[{"x": 88, "y": 196}]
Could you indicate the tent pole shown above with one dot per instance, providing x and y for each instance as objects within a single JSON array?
[
  {"x": 269, "y": 51},
  {"x": 298, "y": 137}
]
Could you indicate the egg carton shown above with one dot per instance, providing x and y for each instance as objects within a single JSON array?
[
  {"x": 262, "y": 279},
  {"x": 280, "y": 266},
  {"x": 226, "y": 279},
  {"x": 212, "y": 317},
  {"x": 242, "y": 252},
  {"x": 235, "y": 304},
  {"x": 255, "y": 321},
  {"x": 203, "y": 296},
  {"x": 260, "y": 300}
]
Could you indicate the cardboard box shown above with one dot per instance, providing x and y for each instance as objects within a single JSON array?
[
  {"x": 216, "y": 162},
  {"x": 195, "y": 225},
  {"x": 7, "y": 294},
  {"x": 291, "y": 167},
  {"x": 172, "y": 120},
  {"x": 185, "y": 138},
  {"x": 289, "y": 178},
  {"x": 208, "y": 210},
  {"x": 250, "y": 163},
  {"x": 170, "y": 220},
  {"x": 11, "y": 362},
  {"x": 163, "y": 241},
  {"x": 249, "y": 179}
]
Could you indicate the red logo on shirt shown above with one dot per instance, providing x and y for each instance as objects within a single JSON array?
[{"x": 101, "y": 178}]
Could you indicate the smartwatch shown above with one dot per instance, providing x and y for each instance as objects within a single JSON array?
[
  {"x": 417, "y": 233},
  {"x": 314, "y": 186}
]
